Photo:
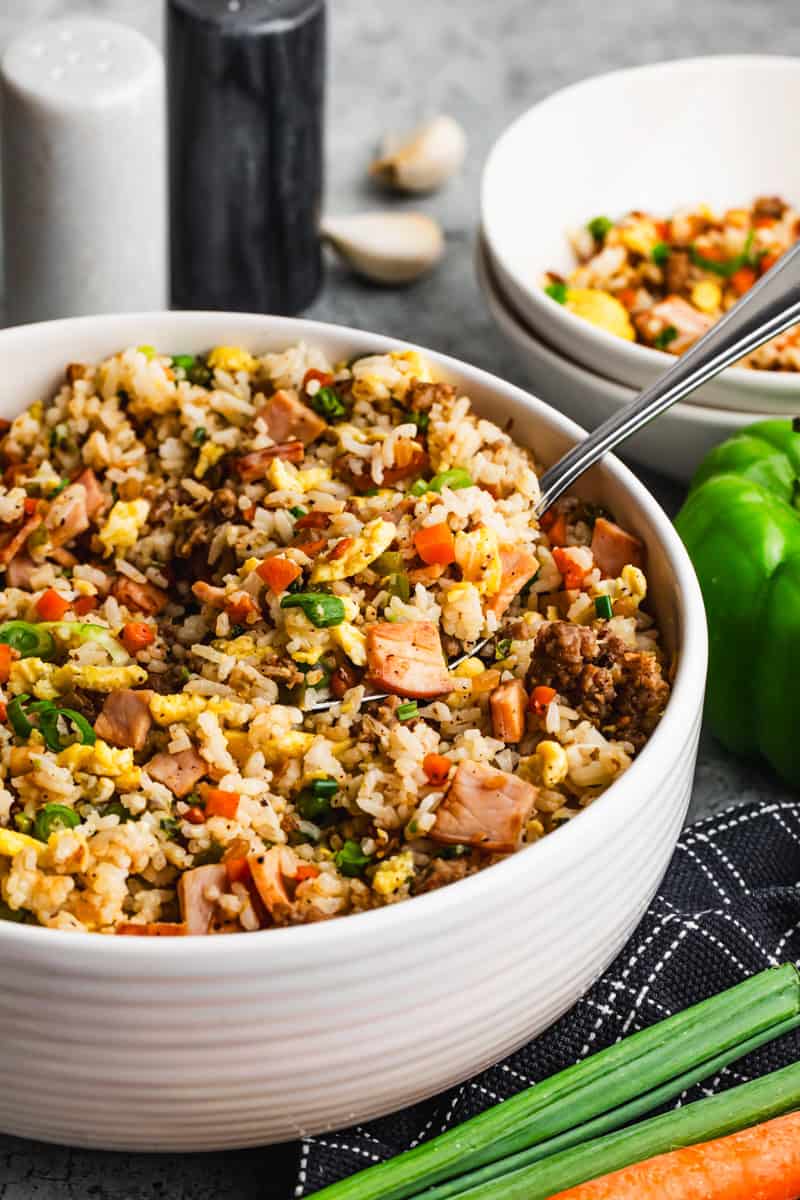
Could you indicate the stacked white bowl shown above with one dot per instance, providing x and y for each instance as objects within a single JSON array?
[{"x": 709, "y": 130}]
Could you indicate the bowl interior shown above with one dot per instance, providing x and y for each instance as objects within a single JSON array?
[
  {"x": 34, "y": 358},
  {"x": 655, "y": 138}
]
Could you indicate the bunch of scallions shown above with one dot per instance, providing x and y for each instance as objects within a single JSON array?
[{"x": 584, "y": 1121}]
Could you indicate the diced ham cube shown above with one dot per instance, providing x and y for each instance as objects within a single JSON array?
[
  {"x": 273, "y": 874},
  {"x": 19, "y": 572},
  {"x": 519, "y": 565},
  {"x": 508, "y": 703},
  {"x": 485, "y": 808},
  {"x": 613, "y": 548},
  {"x": 674, "y": 313},
  {"x": 179, "y": 772},
  {"x": 256, "y": 464},
  {"x": 196, "y": 889},
  {"x": 124, "y": 719},
  {"x": 13, "y": 541},
  {"x": 96, "y": 498},
  {"x": 288, "y": 418},
  {"x": 406, "y": 659},
  {"x": 70, "y": 513},
  {"x": 139, "y": 597}
]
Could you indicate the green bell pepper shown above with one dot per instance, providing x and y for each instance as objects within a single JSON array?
[{"x": 741, "y": 526}]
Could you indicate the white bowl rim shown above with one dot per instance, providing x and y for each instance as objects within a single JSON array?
[
  {"x": 357, "y": 931},
  {"x": 646, "y": 356},
  {"x": 690, "y": 413}
]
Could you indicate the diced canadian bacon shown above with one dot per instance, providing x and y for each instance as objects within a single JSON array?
[
  {"x": 194, "y": 886},
  {"x": 519, "y": 565},
  {"x": 287, "y": 418},
  {"x": 508, "y": 704},
  {"x": 179, "y": 772},
  {"x": 485, "y": 808},
  {"x": 405, "y": 658},
  {"x": 613, "y": 548}
]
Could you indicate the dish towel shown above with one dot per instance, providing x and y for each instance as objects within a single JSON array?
[{"x": 729, "y": 906}]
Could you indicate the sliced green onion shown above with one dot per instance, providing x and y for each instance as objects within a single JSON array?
[
  {"x": 199, "y": 373},
  {"x": 663, "y": 339},
  {"x": 117, "y": 809},
  {"x": 298, "y": 512},
  {"x": 660, "y": 253},
  {"x": 623, "y": 1072},
  {"x": 322, "y": 610},
  {"x": 728, "y": 266},
  {"x": 408, "y": 710},
  {"x": 19, "y": 722},
  {"x": 421, "y": 419},
  {"x": 599, "y": 226},
  {"x": 313, "y": 807},
  {"x": 199, "y": 435},
  {"x": 184, "y": 362},
  {"x": 22, "y": 822},
  {"x": 454, "y": 479},
  {"x": 557, "y": 291},
  {"x": 148, "y": 351},
  {"x": 325, "y": 787},
  {"x": 64, "y": 483},
  {"x": 170, "y": 827},
  {"x": 350, "y": 860},
  {"x": 388, "y": 562},
  {"x": 502, "y": 649},
  {"x": 603, "y": 607},
  {"x": 327, "y": 403},
  {"x": 399, "y": 585},
  {"x": 29, "y": 640},
  {"x": 52, "y": 817}
]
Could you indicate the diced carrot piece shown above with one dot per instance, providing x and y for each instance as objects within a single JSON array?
[
  {"x": 763, "y": 222},
  {"x": 572, "y": 573},
  {"x": 238, "y": 870},
  {"x": 768, "y": 262},
  {"x": 435, "y": 544},
  {"x": 30, "y": 505},
  {"x": 195, "y": 815},
  {"x": 663, "y": 230},
  {"x": 555, "y": 526},
  {"x": 540, "y": 698},
  {"x": 6, "y": 659},
  {"x": 306, "y": 871},
  {"x": 313, "y": 520},
  {"x": 220, "y": 803},
  {"x": 249, "y": 513},
  {"x": 437, "y": 768},
  {"x": 324, "y": 378},
  {"x": 627, "y": 296},
  {"x": 136, "y": 635},
  {"x": 278, "y": 573},
  {"x": 241, "y": 606},
  {"x": 85, "y": 604},
  {"x": 50, "y": 606},
  {"x": 3, "y": 710},
  {"x": 743, "y": 279},
  {"x": 341, "y": 548}
]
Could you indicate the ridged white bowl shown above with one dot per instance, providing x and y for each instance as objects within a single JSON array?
[{"x": 211, "y": 1043}]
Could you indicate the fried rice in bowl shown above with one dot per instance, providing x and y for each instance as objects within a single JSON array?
[{"x": 282, "y": 641}]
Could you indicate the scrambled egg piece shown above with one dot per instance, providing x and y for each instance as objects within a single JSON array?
[
  {"x": 640, "y": 236},
  {"x": 392, "y": 874},
  {"x": 601, "y": 309},
  {"x": 553, "y": 763},
  {"x": 352, "y": 641},
  {"x": 285, "y": 477},
  {"x": 123, "y": 525},
  {"x": 375, "y": 537},
  {"x": 478, "y": 555},
  {"x": 103, "y": 760},
  {"x": 294, "y": 744},
  {"x": 11, "y": 843},
  {"x": 98, "y": 679},
  {"x": 231, "y": 358},
  {"x": 707, "y": 296},
  {"x": 210, "y": 454},
  {"x": 174, "y": 707},
  {"x": 33, "y": 675}
]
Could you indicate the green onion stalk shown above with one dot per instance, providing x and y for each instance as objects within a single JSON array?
[{"x": 607, "y": 1081}]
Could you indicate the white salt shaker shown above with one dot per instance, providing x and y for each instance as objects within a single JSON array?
[{"x": 83, "y": 171}]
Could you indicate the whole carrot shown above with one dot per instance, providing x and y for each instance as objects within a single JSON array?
[{"x": 760, "y": 1163}]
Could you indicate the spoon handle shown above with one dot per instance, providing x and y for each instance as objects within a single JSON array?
[{"x": 768, "y": 308}]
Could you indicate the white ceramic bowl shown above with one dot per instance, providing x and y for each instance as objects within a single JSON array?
[
  {"x": 674, "y": 445},
  {"x": 655, "y": 138},
  {"x": 206, "y": 1043}
]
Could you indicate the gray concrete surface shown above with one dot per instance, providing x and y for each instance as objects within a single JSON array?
[{"x": 392, "y": 62}]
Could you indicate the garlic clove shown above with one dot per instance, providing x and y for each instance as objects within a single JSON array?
[
  {"x": 386, "y": 247},
  {"x": 424, "y": 159}
]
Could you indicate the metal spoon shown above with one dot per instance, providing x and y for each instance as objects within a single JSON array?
[{"x": 770, "y": 307}]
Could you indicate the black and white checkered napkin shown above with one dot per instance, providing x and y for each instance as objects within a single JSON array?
[{"x": 728, "y": 907}]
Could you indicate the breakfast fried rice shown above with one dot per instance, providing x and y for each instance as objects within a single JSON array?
[
  {"x": 212, "y": 563},
  {"x": 664, "y": 282}
]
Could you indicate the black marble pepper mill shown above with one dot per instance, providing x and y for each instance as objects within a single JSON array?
[{"x": 246, "y": 85}]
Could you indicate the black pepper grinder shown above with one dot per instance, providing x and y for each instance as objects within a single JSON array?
[{"x": 246, "y": 82}]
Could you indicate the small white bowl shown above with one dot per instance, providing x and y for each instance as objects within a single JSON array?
[
  {"x": 675, "y": 444},
  {"x": 219, "y": 1042},
  {"x": 714, "y": 130}
]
